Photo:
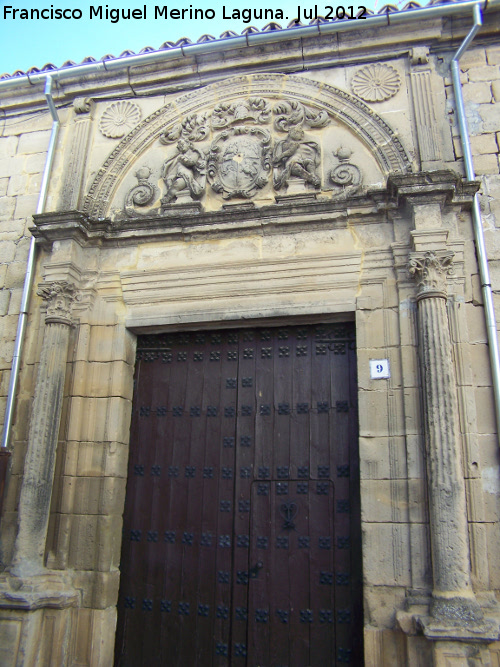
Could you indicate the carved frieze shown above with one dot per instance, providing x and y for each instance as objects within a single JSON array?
[
  {"x": 195, "y": 127},
  {"x": 184, "y": 173},
  {"x": 255, "y": 109},
  {"x": 296, "y": 157},
  {"x": 232, "y": 150},
  {"x": 376, "y": 83},
  {"x": 119, "y": 118},
  {"x": 288, "y": 115}
]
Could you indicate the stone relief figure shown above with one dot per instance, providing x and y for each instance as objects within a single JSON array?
[
  {"x": 183, "y": 174},
  {"x": 296, "y": 157},
  {"x": 239, "y": 159}
]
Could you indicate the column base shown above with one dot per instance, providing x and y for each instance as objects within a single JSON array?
[
  {"x": 52, "y": 589},
  {"x": 461, "y": 619}
]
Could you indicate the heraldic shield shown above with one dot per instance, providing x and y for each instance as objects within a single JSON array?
[{"x": 239, "y": 162}]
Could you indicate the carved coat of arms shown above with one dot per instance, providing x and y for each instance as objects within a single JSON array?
[{"x": 239, "y": 162}]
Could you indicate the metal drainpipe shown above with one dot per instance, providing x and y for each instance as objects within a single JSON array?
[
  {"x": 30, "y": 269},
  {"x": 484, "y": 272}
]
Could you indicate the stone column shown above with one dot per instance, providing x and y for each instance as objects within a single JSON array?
[
  {"x": 36, "y": 489},
  {"x": 454, "y": 610}
]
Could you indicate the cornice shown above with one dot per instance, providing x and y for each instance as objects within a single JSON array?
[{"x": 289, "y": 214}]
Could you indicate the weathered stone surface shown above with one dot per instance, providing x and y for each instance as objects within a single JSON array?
[
  {"x": 485, "y": 73},
  {"x": 486, "y": 164},
  {"x": 493, "y": 55},
  {"x": 100, "y": 380},
  {"x": 96, "y": 459},
  {"x": 472, "y": 58},
  {"x": 99, "y": 419},
  {"x": 495, "y": 87},
  {"x": 33, "y": 142},
  {"x": 7, "y": 207},
  {"x": 8, "y": 146},
  {"x": 389, "y": 561},
  {"x": 480, "y": 93},
  {"x": 490, "y": 113},
  {"x": 92, "y": 495},
  {"x": 111, "y": 344}
]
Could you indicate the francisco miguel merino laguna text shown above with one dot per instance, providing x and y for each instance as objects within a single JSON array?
[{"x": 163, "y": 12}]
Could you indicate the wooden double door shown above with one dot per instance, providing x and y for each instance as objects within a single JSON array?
[{"x": 241, "y": 539}]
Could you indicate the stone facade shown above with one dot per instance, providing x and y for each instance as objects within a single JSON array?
[{"x": 319, "y": 179}]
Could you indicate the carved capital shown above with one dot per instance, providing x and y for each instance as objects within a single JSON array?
[
  {"x": 60, "y": 297},
  {"x": 430, "y": 270}
]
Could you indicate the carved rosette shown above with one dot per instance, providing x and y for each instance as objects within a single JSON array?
[
  {"x": 430, "y": 270},
  {"x": 60, "y": 296},
  {"x": 376, "y": 83},
  {"x": 119, "y": 118}
]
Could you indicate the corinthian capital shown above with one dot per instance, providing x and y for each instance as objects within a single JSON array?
[
  {"x": 60, "y": 297},
  {"x": 430, "y": 270}
]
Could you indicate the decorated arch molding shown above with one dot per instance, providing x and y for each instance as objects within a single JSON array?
[{"x": 291, "y": 105}]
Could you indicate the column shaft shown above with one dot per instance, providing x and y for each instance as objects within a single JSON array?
[
  {"x": 450, "y": 549},
  {"x": 39, "y": 467}
]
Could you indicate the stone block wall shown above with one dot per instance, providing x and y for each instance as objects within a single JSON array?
[{"x": 24, "y": 140}]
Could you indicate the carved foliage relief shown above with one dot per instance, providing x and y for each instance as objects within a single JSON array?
[
  {"x": 238, "y": 149},
  {"x": 60, "y": 297},
  {"x": 430, "y": 270}
]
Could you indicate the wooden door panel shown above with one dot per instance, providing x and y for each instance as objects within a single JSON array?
[{"x": 241, "y": 529}]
